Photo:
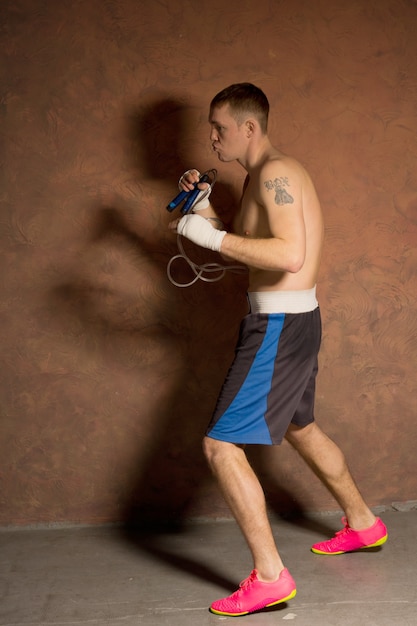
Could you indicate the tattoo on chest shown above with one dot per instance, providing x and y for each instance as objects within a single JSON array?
[{"x": 281, "y": 194}]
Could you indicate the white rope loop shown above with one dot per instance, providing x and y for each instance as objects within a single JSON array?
[{"x": 200, "y": 271}]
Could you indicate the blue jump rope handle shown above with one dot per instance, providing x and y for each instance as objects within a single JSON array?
[
  {"x": 177, "y": 200},
  {"x": 189, "y": 196}
]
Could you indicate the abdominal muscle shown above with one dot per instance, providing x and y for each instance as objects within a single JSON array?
[
  {"x": 305, "y": 278},
  {"x": 262, "y": 280}
]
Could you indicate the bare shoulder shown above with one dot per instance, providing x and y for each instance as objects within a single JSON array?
[
  {"x": 281, "y": 165},
  {"x": 284, "y": 177}
]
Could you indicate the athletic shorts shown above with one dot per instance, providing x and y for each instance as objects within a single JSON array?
[{"x": 271, "y": 382}]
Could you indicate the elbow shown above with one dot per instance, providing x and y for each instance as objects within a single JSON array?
[
  {"x": 292, "y": 257},
  {"x": 295, "y": 263},
  {"x": 295, "y": 267}
]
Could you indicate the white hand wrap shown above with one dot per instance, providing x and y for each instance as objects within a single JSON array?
[
  {"x": 202, "y": 201},
  {"x": 199, "y": 230}
]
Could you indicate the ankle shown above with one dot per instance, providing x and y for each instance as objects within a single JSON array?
[
  {"x": 361, "y": 522},
  {"x": 269, "y": 575}
]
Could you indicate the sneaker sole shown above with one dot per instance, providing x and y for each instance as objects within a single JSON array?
[
  {"x": 256, "y": 608},
  {"x": 378, "y": 543}
]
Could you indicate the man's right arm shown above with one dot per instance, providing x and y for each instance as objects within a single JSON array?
[{"x": 202, "y": 207}]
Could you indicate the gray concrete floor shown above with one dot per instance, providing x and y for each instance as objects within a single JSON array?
[{"x": 100, "y": 576}]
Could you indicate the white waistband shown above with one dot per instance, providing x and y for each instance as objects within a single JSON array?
[{"x": 283, "y": 301}]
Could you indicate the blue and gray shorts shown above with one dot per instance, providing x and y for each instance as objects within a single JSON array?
[{"x": 271, "y": 382}]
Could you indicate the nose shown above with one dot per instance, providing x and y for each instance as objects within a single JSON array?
[{"x": 213, "y": 135}]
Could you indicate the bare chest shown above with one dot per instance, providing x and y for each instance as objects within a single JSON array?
[{"x": 251, "y": 220}]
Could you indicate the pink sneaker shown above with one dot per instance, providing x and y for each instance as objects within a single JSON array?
[
  {"x": 254, "y": 595},
  {"x": 349, "y": 540}
]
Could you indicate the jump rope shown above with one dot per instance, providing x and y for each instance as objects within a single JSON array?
[{"x": 189, "y": 199}]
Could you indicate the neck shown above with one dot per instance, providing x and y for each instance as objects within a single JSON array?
[{"x": 257, "y": 153}]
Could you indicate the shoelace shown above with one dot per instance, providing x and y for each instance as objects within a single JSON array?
[
  {"x": 344, "y": 531},
  {"x": 248, "y": 581}
]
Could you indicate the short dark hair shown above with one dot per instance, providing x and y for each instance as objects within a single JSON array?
[{"x": 244, "y": 98}]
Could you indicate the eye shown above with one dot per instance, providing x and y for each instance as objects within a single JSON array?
[{"x": 218, "y": 128}]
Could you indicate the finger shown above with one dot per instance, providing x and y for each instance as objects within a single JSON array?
[
  {"x": 173, "y": 225},
  {"x": 189, "y": 178}
]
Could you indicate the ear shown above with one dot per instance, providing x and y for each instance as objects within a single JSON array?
[{"x": 250, "y": 127}]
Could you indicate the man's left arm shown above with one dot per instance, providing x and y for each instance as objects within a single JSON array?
[{"x": 280, "y": 196}]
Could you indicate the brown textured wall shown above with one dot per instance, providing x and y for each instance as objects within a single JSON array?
[{"x": 109, "y": 373}]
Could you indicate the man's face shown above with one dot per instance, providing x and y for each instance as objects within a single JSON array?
[{"x": 226, "y": 136}]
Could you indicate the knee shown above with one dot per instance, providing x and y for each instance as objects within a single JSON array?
[
  {"x": 296, "y": 435},
  {"x": 210, "y": 449},
  {"x": 217, "y": 451}
]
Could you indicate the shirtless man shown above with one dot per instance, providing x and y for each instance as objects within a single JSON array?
[{"x": 268, "y": 393}]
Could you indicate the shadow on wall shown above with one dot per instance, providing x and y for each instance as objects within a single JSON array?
[
  {"x": 164, "y": 489},
  {"x": 155, "y": 138},
  {"x": 124, "y": 321}
]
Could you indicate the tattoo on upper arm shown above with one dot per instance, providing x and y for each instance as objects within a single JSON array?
[{"x": 281, "y": 194}]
